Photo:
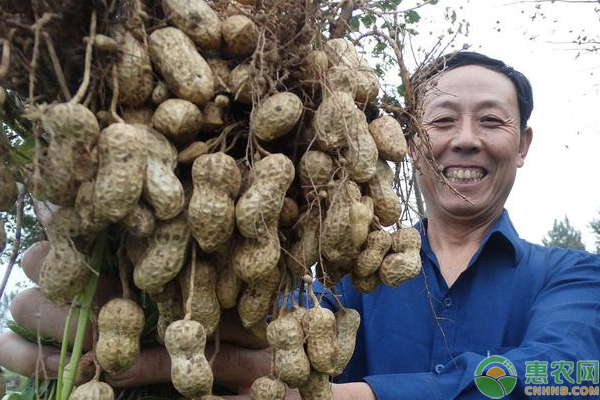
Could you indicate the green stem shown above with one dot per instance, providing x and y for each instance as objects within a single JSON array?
[
  {"x": 63, "y": 351},
  {"x": 85, "y": 300}
]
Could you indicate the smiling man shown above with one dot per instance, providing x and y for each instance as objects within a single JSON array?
[
  {"x": 489, "y": 315},
  {"x": 482, "y": 291}
]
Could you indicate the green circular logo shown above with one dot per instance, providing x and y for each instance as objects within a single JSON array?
[{"x": 495, "y": 377}]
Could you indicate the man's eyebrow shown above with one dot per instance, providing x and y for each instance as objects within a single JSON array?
[{"x": 451, "y": 103}]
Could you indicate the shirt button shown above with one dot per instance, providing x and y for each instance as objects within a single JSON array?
[
  {"x": 447, "y": 302},
  {"x": 439, "y": 368}
]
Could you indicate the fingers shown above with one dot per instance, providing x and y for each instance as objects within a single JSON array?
[
  {"x": 239, "y": 367},
  {"x": 25, "y": 358},
  {"x": 234, "y": 366},
  {"x": 33, "y": 258},
  {"x": 153, "y": 366},
  {"x": 32, "y": 311},
  {"x": 232, "y": 331}
]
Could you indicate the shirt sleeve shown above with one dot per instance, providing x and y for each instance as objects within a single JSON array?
[{"x": 564, "y": 325}]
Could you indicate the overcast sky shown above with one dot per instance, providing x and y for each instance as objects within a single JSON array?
[{"x": 560, "y": 176}]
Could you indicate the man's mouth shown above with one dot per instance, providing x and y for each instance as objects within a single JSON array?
[{"x": 464, "y": 174}]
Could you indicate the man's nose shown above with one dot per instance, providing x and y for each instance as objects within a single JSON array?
[{"x": 466, "y": 137}]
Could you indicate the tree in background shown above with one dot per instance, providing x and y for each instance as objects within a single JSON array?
[
  {"x": 595, "y": 227},
  {"x": 563, "y": 234}
]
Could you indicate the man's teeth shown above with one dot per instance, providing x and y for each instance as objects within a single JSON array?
[{"x": 464, "y": 174}]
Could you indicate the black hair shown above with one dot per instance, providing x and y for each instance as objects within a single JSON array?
[{"x": 462, "y": 58}]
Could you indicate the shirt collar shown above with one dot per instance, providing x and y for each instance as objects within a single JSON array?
[{"x": 502, "y": 231}]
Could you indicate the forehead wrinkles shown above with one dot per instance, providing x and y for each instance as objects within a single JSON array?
[{"x": 470, "y": 85}]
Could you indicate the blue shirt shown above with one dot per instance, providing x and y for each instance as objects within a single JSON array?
[{"x": 423, "y": 340}]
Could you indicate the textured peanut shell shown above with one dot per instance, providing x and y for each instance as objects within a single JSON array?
[
  {"x": 317, "y": 387},
  {"x": 336, "y": 233},
  {"x": 385, "y": 201},
  {"x": 204, "y": 303},
  {"x": 197, "y": 19},
  {"x": 305, "y": 251},
  {"x": 259, "y": 207},
  {"x": 255, "y": 259},
  {"x": 367, "y": 83},
  {"x": 170, "y": 308},
  {"x": 362, "y": 152},
  {"x": 221, "y": 72},
  {"x": 361, "y": 216},
  {"x": 316, "y": 168},
  {"x": 211, "y": 211},
  {"x": 229, "y": 284},
  {"x": 397, "y": 268},
  {"x": 162, "y": 189},
  {"x": 186, "y": 72},
  {"x": 366, "y": 284},
  {"x": 64, "y": 271},
  {"x": 333, "y": 120},
  {"x": 245, "y": 83},
  {"x": 341, "y": 51},
  {"x": 340, "y": 78},
  {"x": 255, "y": 301},
  {"x": 93, "y": 390},
  {"x": 191, "y": 152},
  {"x": 140, "y": 221},
  {"x": 290, "y": 362},
  {"x": 369, "y": 260},
  {"x": 289, "y": 212},
  {"x": 347, "y": 323},
  {"x": 276, "y": 116},
  {"x": 406, "y": 239},
  {"x": 321, "y": 342},
  {"x": 8, "y": 188},
  {"x": 120, "y": 324},
  {"x": 267, "y": 388},
  {"x": 134, "y": 71},
  {"x": 165, "y": 255},
  {"x": 240, "y": 34},
  {"x": 389, "y": 138},
  {"x": 190, "y": 372},
  {"x": 315, "y": 65},
  {"x": 334, "y": 270},
  {"x": 122, "y": 157},
  {"x": 160, "y": 92},
  {"x": 179, "y": 120},
  {"x": 73, "y": 130}
]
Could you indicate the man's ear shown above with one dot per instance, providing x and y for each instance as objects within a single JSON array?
[{"x": 525, "y": 142}]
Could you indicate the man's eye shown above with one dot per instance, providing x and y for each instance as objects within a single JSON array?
[
  {"x": 443, "y": 121},
  {"x": 491, "y": 121}
]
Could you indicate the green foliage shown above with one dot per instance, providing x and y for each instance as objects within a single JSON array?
[
  {"x": 31, "y": 229},
  {"x": 563, "y": 234},
  {"x": 595, "y": 227}
]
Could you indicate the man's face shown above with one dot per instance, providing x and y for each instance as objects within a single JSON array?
[{"x": 472, "y": 118}]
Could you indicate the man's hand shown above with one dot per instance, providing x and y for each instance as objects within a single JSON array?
[
  {"x": 241, "y": 358},
  {"x": 341, "y": 391}
]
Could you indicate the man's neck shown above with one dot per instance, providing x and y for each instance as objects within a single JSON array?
[{"x": 454, "y": 242}]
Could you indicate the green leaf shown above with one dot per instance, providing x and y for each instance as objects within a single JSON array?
[
  {"x": 412, "y": 17},
  {"x": 354, "y": 24},
  {"x": 25, "y": 153},
  {"x": 30, "y": 336},
  {"x": 389, "y": 5},
  {"x": 368, "y": 20},
  {"x": 401, "y": 90}
]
